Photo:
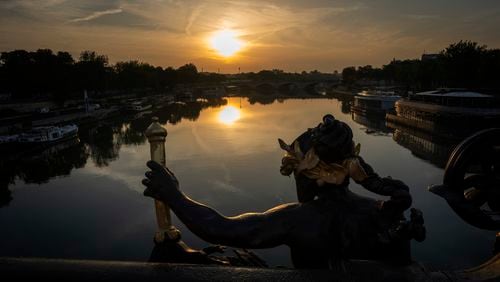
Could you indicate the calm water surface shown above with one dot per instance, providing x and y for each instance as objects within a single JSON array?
[{"x": 84, "y": 200}]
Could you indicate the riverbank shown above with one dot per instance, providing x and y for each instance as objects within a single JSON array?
[{"x": 79, "y": 118}]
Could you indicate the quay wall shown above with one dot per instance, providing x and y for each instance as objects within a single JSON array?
[
  {"x": 27, "y": 107},
  {"x": 414, "y": 123},
  {"x": 87, "y": 270}
]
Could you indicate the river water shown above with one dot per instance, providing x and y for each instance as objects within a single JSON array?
[{"x": 84, "y": 199}]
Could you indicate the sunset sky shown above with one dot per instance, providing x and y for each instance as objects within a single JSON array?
[{"x": 292, "y": 35}]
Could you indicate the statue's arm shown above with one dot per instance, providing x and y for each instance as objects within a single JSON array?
[
  {"x": 399, "y": 193},
  {"x": 250, "y": 230}
]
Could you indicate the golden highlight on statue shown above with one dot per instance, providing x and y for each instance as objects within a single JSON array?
[{"x": 329, "y": 222}]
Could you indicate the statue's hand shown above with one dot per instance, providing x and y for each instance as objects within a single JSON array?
[
  {"x": 379, "y": 205},
  {"x": 159, "y": 182}
]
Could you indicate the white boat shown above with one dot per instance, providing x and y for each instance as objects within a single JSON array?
[
  {"x": 184, "y": 95},
  {"x": 48, "y": 134},
  {"x": 142, "y": 114},
  {"x": 214, "y": 92},
  {"x": 375, "y": 102},
  {"x": 7, "y": 139},
  {"x": 139, "y": 107}
]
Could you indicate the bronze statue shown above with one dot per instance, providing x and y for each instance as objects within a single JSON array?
[
  {"x": 328, "y": 224},
  {"x": 472, "y": 180}
]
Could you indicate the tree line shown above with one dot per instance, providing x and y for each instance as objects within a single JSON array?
[
  {"x": 280, "y": 75},
  {"x": 465, "y": 64},
  {"x": 46, "y": 74}
]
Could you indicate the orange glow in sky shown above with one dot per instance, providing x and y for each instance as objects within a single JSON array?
[{"x": 253, "y": 35}]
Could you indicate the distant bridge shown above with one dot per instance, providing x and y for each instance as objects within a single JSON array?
[{"x": 285, "y": 87}]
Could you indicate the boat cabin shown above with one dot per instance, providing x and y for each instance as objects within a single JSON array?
[
  {"x": 376, "y": 100},
  {"x": 48, "y": 134},
  {"x": 455, "y": 98}
]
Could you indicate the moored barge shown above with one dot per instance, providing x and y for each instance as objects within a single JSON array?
[
  {"x": 447, "y": 107},
  {"x": 375, "y": 103}
]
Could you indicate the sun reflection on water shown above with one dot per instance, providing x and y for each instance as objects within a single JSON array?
[{"x": 229, "y": 115}]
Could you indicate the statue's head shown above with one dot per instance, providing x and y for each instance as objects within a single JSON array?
[
  {"x": 320, "y": 151},
  {"x": 331, "y": 139}
]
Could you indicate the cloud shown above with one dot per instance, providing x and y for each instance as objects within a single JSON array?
[
  {"x": 226, "y": 187},
  {"x": 422, "y": 17},
  {"x": 97, "y": 14},
  {"x": 192, "y": 18}
]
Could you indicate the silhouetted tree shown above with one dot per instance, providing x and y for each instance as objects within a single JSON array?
[
  {"x": 349, "y": 75},
  {"x": 211, "y": 78},
  {"x": 187, "y": 73},
  {"x": 65, "y": 77},
  {"x": 463, "y": 63},
  {"x": 91, "y": 70},
  {"x": 490, "y": 69},
  {"x": 136, "y": 75},
  {"x": 169, "y": 76},
  {"x": 18, "y": 66}
]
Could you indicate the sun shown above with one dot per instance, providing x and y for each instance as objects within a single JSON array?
[
  {"x": 228, "y": 115},
  {"x": 226, "y": 42}
]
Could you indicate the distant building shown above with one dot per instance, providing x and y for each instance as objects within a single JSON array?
[
  {"x": 5, "y": 96},
  {"x": 430, "y": 57}
]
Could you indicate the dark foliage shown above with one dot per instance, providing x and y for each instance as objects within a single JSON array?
[
  {"x": 464, "y": 64},
  {"x": 44, "y": 74}
]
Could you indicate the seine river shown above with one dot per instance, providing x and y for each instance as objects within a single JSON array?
[{"x": 83, "y": 199}]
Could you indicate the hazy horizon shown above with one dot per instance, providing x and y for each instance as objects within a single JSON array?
[{"x": 289, "y": 35}]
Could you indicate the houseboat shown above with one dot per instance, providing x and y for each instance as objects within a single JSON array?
[
  {"x": 48, "y": 134},
  {"x": 138, "y": 106},
  {"x": 213, "y": 92},
  {"x": 7, "y": 139},
  {"x": 184, "y": 95},
  {"x": 447, "y": 107},
  {"x": 376, "y": 102}
]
